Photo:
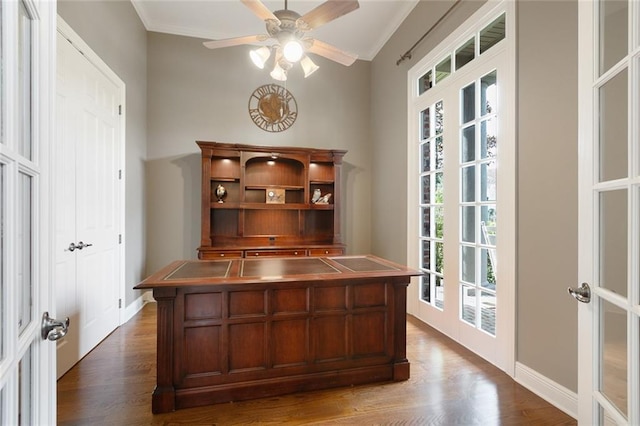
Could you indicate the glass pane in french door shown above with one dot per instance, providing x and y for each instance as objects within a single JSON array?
[
  {"x": 478, "y": 197},
  {"x": 25, "y": 81},
  {"x": 613, "y": 355},
  {"x": 431, "y": 205},
  {"x": 613, "y": 29},
  {"x": 614, "y": 151},
  {"x": 3, "y": 284},
  {"x": 25, "y": 281},
  {"x": 613, "y": 241},
  {"x": 25, "y": 388}
]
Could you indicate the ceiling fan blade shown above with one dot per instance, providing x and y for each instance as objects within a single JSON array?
[
  {"x": 331, "y": 52},
  {"x": 227, "y": 42},
  {"x": 260, "y": 10},
  {"x": 328, "y": 11}
]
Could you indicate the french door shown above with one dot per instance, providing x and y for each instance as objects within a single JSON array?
[
  {"x": 27, "y": 360},
  {"x": 461, "y": 174},
  {"x": 609, "y": 214}
]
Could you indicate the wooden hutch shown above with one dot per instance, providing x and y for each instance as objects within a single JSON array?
[{"x": 269, "y": 205}]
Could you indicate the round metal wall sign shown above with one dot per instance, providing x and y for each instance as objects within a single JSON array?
[{"x": 273, "y": 108}]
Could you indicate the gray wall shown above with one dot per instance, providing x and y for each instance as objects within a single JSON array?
[
  {"x": 124, "y": 51},
  {"x": 547, "y": 168},
  {"x": 201, "y": 94},
  {"x": 548, "y": 189}
]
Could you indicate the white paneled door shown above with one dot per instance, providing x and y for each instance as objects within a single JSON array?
[
  {"x": 88, "y": 200},
  {"x": 609, "y": 219},
  {"x": 27, "y": 356}
]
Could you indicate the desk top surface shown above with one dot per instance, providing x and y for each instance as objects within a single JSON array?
[{"x": 238, "y": 271}]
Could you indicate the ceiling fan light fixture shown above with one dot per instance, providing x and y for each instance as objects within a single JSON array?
[
  {"x": 292, "y": 50},
  {"x": 260, "y": 56},
  {"x": 308, "y": 66},
  {"x": 278, "y": 73}
]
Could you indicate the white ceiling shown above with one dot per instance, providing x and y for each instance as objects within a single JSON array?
[{"x": 363, "y": 31}]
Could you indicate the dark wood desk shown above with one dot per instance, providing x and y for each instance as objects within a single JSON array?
[{"x": 238, "y": 329}]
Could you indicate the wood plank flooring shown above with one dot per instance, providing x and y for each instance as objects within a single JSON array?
[{"x": 449, "y": 385}]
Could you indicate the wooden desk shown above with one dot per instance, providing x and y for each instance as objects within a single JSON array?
[{"x": 238, "y": 329}]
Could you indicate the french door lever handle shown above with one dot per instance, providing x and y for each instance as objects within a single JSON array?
[
  {"x": 582, "y": 293},
  {"x": 52, "y": 328}
]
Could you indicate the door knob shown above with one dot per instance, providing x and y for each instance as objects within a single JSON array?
[
  {"x": 82, "y": 245},
  {"x": 52, "y": 328},
  {"x": 79, "y": 246},
  {"x": 582, "y": 293}
]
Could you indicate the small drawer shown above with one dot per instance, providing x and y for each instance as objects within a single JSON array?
[
  {"x": 210, "y": 255},
  {"x": 326, "y": 252},
  {"x": 276, "y": 253}
]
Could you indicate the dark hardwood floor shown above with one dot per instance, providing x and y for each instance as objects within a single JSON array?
[{"x": 449, "y": 385}]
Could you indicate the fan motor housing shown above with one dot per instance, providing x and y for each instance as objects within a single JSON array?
[{"x": 288, "y": 22}]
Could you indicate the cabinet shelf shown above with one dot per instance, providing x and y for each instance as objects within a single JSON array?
[
  {"x": 286, "y": 187},
  {"x": 269, "y": 206},
  {"x": 225, "y": 179},
  {"x": 246, "y": 222},
  {"x": 230, "y": 205}
]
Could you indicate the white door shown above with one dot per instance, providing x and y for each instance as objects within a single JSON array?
[
  {"x": 88, "y": 198},
  {"x": 461, "y": 185},
  {"x": 609, "y": 218},
  {"x": 27, "y": 361}
]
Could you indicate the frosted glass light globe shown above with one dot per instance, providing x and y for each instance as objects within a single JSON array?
[{"x": 292, "y": 51}]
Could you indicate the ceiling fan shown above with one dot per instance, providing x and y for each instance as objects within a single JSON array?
[{"x": 287, "y": 30}]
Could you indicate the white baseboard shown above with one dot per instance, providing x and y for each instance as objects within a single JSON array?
[
  {"x": 555, "y": 394},
  {"x": 134, "y": 307}
]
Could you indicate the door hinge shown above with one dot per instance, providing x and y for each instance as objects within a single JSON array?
[
  {"x": 119, "y": 238},
  {"x": 119, "y": 109},
  {"x": 119, "y": 174},
  {"x": 119, "y": 303}
]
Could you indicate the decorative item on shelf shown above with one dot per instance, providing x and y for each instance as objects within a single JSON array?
[
  {"x": 316, "y": 196},
  {"x": 221, "y": 193},
  {"x": 324, "y": 199},
  {"x": 275, "y": 196},
  {"x": 273, "y": 108}
]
